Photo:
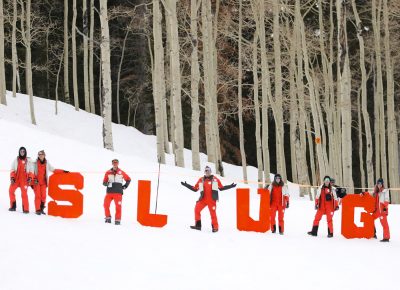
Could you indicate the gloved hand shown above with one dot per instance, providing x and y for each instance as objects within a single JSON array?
[
  {"x": 35, "y": 181},
  {"x": 185, "y": 184},
  {"x": 287, "y": 204},
  {"x": 316, "y": 207},
  {"x": 12, "y": 180},
  {"x": 385, "y": 211},
  {"x": 226, "y": 187},
  {"x": 29, "y": 180},
  {"x": 124, "y": 186},
  {"x": 336, "y": 208},
  {"x": 66, "y": 171},
  {"x": 105, "y": 183}
]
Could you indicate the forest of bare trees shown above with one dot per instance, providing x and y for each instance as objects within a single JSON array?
[{"x": 306, "y": 88}]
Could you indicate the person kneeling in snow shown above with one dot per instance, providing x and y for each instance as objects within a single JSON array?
[
  {"x": 279, "y": 200},
  {"x": 41, "y": 169},
  {"x": 325, "y": 203},
  {"x": 113, "y": 179},
  {"x": 209, "y": 186}
]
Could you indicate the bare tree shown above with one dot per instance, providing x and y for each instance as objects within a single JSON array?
[{"x": 3, "y": 99}]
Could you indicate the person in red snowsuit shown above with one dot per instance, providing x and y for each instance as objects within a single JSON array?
[
  {"x": 326, "y": 203},
  {"x": 279, "y": 201},
  {"x": 381, "y": 196},
  {"x": 20, "y": 177},
  {"x": 208, "y": 186},
  {"x": 41, "y": 169},
  {"x": 114, "y": 179}
]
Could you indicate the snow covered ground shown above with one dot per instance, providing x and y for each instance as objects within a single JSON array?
[{"x": 42, "y": 252}]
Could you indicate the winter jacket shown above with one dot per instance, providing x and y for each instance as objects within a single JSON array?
[
  {"x": 208, "y": 187},
  {"x": 21, "y": 169},
  {"x": 41, "y": 171},
  {"x": 382, "y": 200},
  {"x": 114, "y": 179},
  {"x": 278, "y": 194},
  {"x": 327, "y": 191}
]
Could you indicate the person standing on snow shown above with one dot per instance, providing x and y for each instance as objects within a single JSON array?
[
  {"x": 381, "y": 196},
  {"x": 20, "y": 177},
  {"x": 279, "y": 200},
  {"x": 325, "y": 203},
  {"x": 114, "y": 179},
  {"x": 41, "y": 168},
  {"x": 208, "y": 186}
]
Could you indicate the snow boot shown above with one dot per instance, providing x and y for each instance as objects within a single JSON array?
[
  {"x": 385, "y": 240},
  {"x": 273, "y": 230},
  {"x": 197, "y": 226},
  {"x": 280, "y": 230},
  {"x": 330, "y": 235},
  {"x": 107, "y": 220},
  {"x": 25, "y": 211},
  {"x": 42, "y": 207},
  {"x": 13, "y": 207},
  {"x": 214, "y": 230},
  {"x": 117, "y": 223},
  {"x": 314, "y": 231},
  {"x": 38, "y": 212}
]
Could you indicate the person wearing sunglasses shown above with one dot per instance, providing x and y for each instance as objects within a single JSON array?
[
  {"x": 41, "y": 170},
  {"x": 279, "y": 201},
  {"x": 326, "y": 203},
  {"x": 114, "y": 179},
  {"x": 20, "y": 177},
  {"x": 208, "y": 186}
]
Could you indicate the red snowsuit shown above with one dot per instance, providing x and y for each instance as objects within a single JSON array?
[
  {"x": 41, "y": 174},
  {"x": 20, "y": 171},
  {"x": 381, "y": 203},
  {"x": 209, "y": 187},
  {"x": 279, "y": 198},
  {"x": 325, "y": 206},
  {"x": 113, "y": 179}
]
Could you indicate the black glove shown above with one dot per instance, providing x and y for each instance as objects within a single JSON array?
[
  {"x": 36, "y": 181},
  {"x": 226, "y": 187},
  {"x": 12, "y": 180},
  {"x": 336, "y": 208},
  {"x": 29, "y": 180},
  {"x": 105, "y": 183},
  {"x": 287, "y": 204},
  {"x": 384, "y": 209},
  {"x": 316, "y": 207},
  {"x": 185, "y": 184},
  {"x": 66, "y": 171},
  {"x": 125, "y": 186}
]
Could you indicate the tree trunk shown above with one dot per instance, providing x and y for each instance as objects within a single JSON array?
[
  {"x": 91, "y": 43},
  {"x": 119, "y": 71},
  {"x": 14, "y": 48},
  {"x": 240, "y": 101},
  {"x": 194, "y": 86},
  {"x": 364, "y": 109},
  {"x": 157, "y": 66},
  {"x": 259, "y": 148},
  {"x": 393, "y": 143},
  {"x": 106, "y": 77},
  {"x": 3, "y": 99},
  {"x": 66, "y": 54},
  {"x": 85, "y": 56},
  {"x": 74, "y": 67},
  {"x": 29, "y": 61},
  {"x": 176, "y": 81},
  {"x": 360, "y": 141},
  {"x": 57, "y": 82}
]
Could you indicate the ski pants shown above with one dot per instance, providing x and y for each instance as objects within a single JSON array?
[
  {"x": 117, "y": 198},
  {"x": 24, "y": 195},
  {"x": 40, "y": 195},
  {"x": 212, "y": 207},
  {"x": 281, "y": 214},
  {"x": 329, "y": 216},
  {"x": 385, "y": 225}
]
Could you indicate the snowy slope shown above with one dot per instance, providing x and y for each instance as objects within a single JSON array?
[{"x": 42, "y": 252}]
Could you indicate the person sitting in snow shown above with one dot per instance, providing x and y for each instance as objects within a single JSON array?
[
  {"x": 326, "y": 203},
  {"x": 20, "y": 177},
  {"x": 279, "y": 201},
  {"x": 114, "y": 179},
  {"x": 208, "y": 186},
  {"x": 41, "y": 169}
]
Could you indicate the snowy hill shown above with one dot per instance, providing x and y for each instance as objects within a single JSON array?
[{"x": 42, "y": 252}]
